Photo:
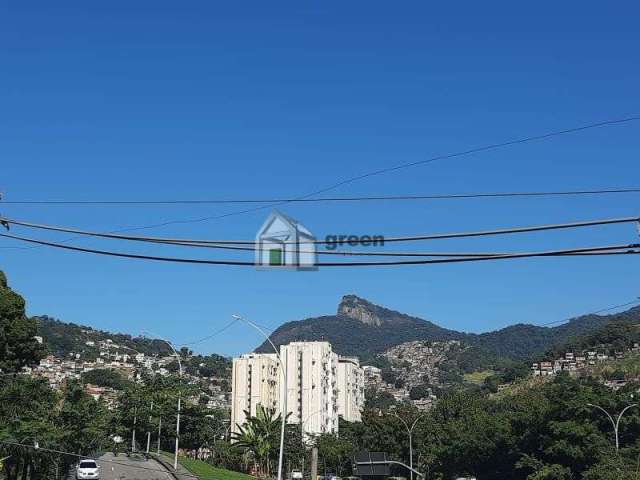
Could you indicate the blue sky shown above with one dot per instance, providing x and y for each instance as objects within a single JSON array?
[{"x": 269, "y": 99}]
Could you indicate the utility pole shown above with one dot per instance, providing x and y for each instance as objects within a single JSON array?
[
  {"x": 314, "y": 463},
  {"x": 177, "y": 355},
  {"x": 133, "y": 433},
  {"x": 159, "y": 432},
  {"x": 149, "y": 429},
  {"x": 615, "y": 423}
]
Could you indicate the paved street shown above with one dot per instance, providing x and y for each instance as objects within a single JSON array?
[{"x": 124, "y": 468}]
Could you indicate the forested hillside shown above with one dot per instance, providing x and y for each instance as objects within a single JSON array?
[
  {"x": 374, "y": 329},
  {"x": 618, "y": 335},
  {"x": 62, "y": 338}
]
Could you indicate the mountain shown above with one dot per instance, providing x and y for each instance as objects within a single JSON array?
[
  {"x": 364, "y": 329},
  {"x": 361, "y": 328},
  {"x": 620, "y": 334}
]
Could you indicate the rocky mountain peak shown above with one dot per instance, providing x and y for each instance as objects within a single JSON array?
[{"x": 359, "y": 309}]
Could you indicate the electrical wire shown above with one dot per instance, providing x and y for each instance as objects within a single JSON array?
[
  {"x": 372, "y": 173},
  {"x": 453, "y": 196},
  {"x": 187, "y": 242},
  {"x": 631, "y": 249},
  {"x": 607, "y": 309},
  {"x": 209, "y": 337}
]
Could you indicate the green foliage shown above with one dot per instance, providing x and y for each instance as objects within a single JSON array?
[
  {"x": 335, "y": 454},
  {"x": 418, "y": 392},
  {"x": 260, "y": 435},
  {"x": 541, "y": 430},
  {"x": 206, "y": 471},
  {"x": 61, "y": 339},
  {"x": 215, "y": 367},
  {"x": 614, "y": 468},
  {"x": 226, "y": 455},
  {"x": 106, "y": 377},
  {"x": 375, "y": 400},
  {"x": 31, "y": 412},
  {"x": 17, "y": 344}
]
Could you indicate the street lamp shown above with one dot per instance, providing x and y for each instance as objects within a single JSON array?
[
  {"x": 175, "y": 458},
  {"x": 615, "y": 423},
  {"x": 308, "y": 418},
  {"x": 284, "y": 400},
  {"x": 314, "y": 450},
  {"x": 410, "y": 432}
]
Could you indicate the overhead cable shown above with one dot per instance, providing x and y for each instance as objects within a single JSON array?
[
  {"x": 371, "y": 198},
  {"x": 626, "y": 249},
  {"x": 187, "y": 242}
]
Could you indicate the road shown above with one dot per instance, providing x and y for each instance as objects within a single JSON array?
[{"x": 125, "y": 468}]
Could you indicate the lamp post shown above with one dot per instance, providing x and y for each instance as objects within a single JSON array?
[
  {"x": 308, "y": 418},
  {"x": 314, "y": 450},
  {"x": 410, "y": 432},
  {"x": 616, "y": 422},
  {"x": 175, "y": 458},
  {"x": 284, "y": 400}
]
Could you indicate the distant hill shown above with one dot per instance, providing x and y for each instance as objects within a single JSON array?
[
  {"x": 620, "y": 334},
  {"x": 364, "y": 329},
  {"x": 62, "y": 338}
]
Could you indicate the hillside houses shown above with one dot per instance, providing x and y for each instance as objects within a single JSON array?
[
  {"x": 575, "y": 363},
  {"x": 413, "y": 364},
  {"x": 58, "y": 371}
]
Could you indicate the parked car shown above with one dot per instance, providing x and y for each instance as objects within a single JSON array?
[
  {"x": 87, "y": 470},
  {"x": 296, "y": 475}
]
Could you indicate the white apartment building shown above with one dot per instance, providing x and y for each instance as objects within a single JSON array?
[
  {"x": 255, "y": 380},
  {"x": 350, "y": 389},
  {"x": 321, "y": 386},
  {"x": 312, "y": 386}
]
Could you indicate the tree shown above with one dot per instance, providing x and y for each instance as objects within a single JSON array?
[
  {"x": 106, "y": 377},
  {"x": 260, "y": 435},
  {"x": 613, "y": 468},
  {"x": 27, "y": 415},
  {"x": 18, "y": 346},
  {"x": 198, "y": 428},
  {"x": 335, "y": 453},
  {"x": 418, "y": 392}
]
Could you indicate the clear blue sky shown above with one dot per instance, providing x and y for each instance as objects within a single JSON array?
[{"x": 155, "y": 100}]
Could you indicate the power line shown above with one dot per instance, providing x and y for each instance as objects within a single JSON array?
[
  {"x": 449, "y": 196},
  {"x": 372, "y": 173},
  {"x": 476, "y": 150},
  {"x": 209, "y": 337},
  {"x": 440, "y": 236},
  {"x": 403, "y": 166},
  {"x": 631, "y": 249},
  {"x": 607, "y": 309}
]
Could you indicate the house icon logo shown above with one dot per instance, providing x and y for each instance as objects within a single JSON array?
[{"x": 283, "y": 242}]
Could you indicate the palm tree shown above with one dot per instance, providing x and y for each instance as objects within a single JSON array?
[{"x": 260, "y": 436}]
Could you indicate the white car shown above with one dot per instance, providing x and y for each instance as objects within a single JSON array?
[
  {"x": 296, "y": 475},
  {"x": 87, "y": 470}
]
